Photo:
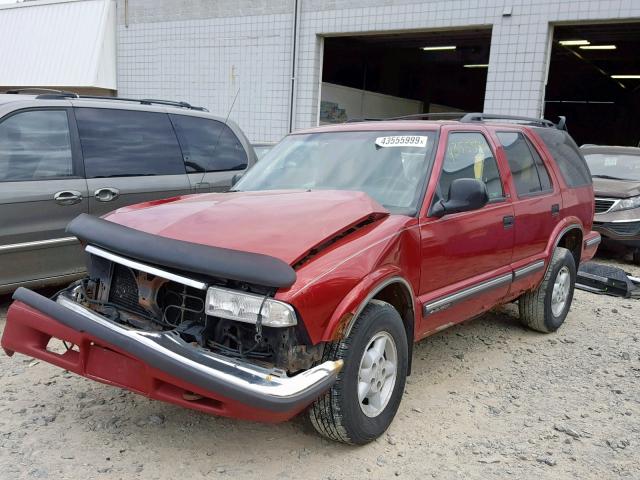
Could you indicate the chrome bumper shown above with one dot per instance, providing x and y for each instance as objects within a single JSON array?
[{"x": 166, "y": 351}]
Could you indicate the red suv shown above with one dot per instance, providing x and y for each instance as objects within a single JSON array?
[{"x": 306, "y": 286}]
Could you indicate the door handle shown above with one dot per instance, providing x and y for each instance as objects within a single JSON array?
[
  {"x": 67, "y": 197},
  {"x": 106, "y": 194},
  {"x": 555, "y": 209},
  {"x": 508, "y": 221}
]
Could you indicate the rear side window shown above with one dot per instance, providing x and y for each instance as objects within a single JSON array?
[
  {"x": 126, "y": 143},
  {"x": 529, "y": 173},
  {"x": 208, "y": 145},
  {"x": 35, "y": 145},
  {"x": 566, "y": 154},
  {"x": 468, "y": 155}
]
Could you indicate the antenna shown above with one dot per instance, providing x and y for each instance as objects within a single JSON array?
[{"x": 215, "y": 147}]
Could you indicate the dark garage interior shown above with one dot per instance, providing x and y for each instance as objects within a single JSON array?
[
  {"x": 449, "y": 75},
  {"x": 585, "y": 83}
]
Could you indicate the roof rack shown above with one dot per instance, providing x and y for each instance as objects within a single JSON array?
[
  {"x": 50, "y": 94},
  {"x": 417, "y": 116},
  {"x": 44, "y": 92},
  {"x": 145, "y": 101},
  {"x": 541, "y": 122}
]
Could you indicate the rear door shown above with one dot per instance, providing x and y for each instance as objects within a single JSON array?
[
  {"x": 42, "y": 188},
  {"x": 130, "y": 156},
  {"x": 466, "y": 256},
  {"x": 536, "y": 202},
  {"x": 212, "y": 152}
]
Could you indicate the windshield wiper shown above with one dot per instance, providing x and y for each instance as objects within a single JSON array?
[{"x": 609, "y": 177}]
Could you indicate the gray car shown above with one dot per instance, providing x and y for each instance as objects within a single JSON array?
[{"x": 62, "y": 155}]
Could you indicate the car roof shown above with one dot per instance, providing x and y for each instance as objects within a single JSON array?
[{"x": 611, "y": 149}]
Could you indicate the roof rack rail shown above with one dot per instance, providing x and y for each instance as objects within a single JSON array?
[
  {"x": 481, "y": 117},
  {"x": 145, "y": 101},
  {"x": 413, "y": 116},
  {"x": 417, "y": 116},
  {"x": 44, "y": 92},
  {"x": 50, "y": 94}
]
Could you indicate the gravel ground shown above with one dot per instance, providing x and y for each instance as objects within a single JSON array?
[{"x": 487, "y": 399}]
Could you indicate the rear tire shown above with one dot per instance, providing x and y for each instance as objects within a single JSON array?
[
  {"x": 365, "y": 398},
  {"x": 545, "y": 308}
]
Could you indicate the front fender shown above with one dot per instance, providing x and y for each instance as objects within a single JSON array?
[{"x": 354, "y": 302}]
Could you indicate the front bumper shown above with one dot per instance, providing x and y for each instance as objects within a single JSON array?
[{"x": 159, "y": 365}]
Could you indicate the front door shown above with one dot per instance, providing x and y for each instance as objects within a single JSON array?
[
  {"x": 41, "y": 190},
  {"x": 465, "y": 256}
]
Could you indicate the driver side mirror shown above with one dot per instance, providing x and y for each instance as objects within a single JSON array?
[{"x": 465, "y": 194}]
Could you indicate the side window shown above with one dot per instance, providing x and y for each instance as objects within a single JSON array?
[
  {"x": 527, "y": 168},
  {"x": 208, "y": 145},
  {"x": 468, "y": 155},
  {"x": 565, "y": 152},
  {"x": 35, "y": 145},
  {"x": 127, "y": 143}
]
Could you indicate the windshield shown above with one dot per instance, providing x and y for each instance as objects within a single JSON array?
[
  {"x": 391, "y": 167},
  {"x": 615, "y": 166}
]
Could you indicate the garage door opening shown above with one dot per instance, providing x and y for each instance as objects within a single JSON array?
[
  {"x": 594, "y": 80},
  {"x": 381, "y": 76}
]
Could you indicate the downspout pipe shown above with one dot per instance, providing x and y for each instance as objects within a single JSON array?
[{"x": 294, "y": 62}]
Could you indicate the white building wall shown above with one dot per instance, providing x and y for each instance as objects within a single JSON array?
[{"x": 203, "y": 51}]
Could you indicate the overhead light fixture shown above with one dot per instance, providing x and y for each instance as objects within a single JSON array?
[
  {"x": 445, "y": 47},
  {"x": 476, "y": 65},
  {"x": 598, "y": 47},
  {"x": 626, "y": 77},
  {"x": 569, "y": 43}
]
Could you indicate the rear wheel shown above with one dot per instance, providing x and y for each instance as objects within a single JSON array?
[
  {"x": 362, "y": 403},
  {"x": 545, "y": 308}
]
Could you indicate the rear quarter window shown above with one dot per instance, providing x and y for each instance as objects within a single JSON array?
[{"x": 564, "y": 150}]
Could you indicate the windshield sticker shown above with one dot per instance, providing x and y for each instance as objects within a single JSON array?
[
  {"x": 402, "y": 141},
  {"x": 610, "y": 161}
]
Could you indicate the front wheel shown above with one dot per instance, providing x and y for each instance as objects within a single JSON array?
[
  {"x": 545, "y": 308},
  {"x": 365, "y": 398}
]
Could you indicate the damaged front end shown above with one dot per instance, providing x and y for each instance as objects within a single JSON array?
[{"x": 204, "y": 340}]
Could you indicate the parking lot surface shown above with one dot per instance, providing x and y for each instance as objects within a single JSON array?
[{"x": 487, "y": 399}]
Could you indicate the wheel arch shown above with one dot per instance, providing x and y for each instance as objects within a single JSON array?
[
  {"x": 570, "y": 237},
  {"x": 394, "y": 290}
]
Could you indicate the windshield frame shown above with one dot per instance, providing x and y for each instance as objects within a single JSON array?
[{"x": 421, "y": 185}]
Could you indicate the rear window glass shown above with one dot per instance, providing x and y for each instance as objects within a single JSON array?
[
  {"x": 529, "y": 173},
  {"x": 208, "y": 145},
  {"x": 125, "y": 143},
  {"x": 566, "y": 154}
]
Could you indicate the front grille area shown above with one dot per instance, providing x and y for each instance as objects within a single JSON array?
[
  {"x": 624, "y": 229},
  {"x": 604, "y": 204},
  {"x": 124, "y": 290}
]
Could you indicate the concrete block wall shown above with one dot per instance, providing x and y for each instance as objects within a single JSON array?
[{"x": 203, "y": 50}]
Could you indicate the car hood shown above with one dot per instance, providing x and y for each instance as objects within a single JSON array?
[
  {"x": 286, "y": 224},
  {"x": 604, "y": 187}
]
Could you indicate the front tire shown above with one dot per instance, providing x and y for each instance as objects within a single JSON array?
[
  {"x": 365, "y": 398},
  {"x": 545, "y": 308}
]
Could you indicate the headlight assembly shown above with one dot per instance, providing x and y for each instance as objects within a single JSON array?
[
  {"x": 244, "y": 307},
  {"x": 626, "y": 204}
]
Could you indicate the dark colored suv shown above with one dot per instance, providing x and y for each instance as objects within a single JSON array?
[
  {"x": 62, "y": 155},
  {"x": 306, "y": 286}
]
